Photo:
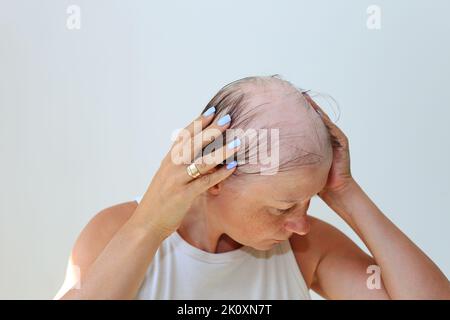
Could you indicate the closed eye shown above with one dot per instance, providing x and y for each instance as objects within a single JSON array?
[{"x": 284, "y": 211}]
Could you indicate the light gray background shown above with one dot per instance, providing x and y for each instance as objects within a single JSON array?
[{"x": 86, "y": 115}]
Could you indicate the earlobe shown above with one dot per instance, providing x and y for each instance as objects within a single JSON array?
[{"x": 215, "y": 189}]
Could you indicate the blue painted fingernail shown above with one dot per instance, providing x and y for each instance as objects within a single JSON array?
[
  {"x": 233, "y": 144},
  {"x": 224, "y": 120},
  {"x": 231, "y": 165},
  {"x": 209, "y": 112}
]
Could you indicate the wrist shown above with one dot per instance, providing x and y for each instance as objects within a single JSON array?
[
  {"x": 144, "y": 222},
  {"x": 342, "y": 199},
  {"x": 341, "y": 192}
]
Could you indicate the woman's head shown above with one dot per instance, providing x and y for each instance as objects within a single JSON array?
[{"x": 284, "y": 160}]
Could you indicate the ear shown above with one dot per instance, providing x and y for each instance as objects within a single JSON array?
[{"x": 215, "y": 189}]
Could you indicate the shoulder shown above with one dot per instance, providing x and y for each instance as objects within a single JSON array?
[
  {"x": 311, "y": 248},
  {"x": 327, "y": 252},
  {"x": 92, "y": 239},
  {"x": 99, "y": 231}
]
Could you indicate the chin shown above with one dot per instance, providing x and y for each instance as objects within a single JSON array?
[{"x": 266, "y": 245}]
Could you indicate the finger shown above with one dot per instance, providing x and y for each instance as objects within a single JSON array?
[
  {"x": 216, "y": 157},
  {"x": 326, "y": 119},
  {"x": 197, "y": 125},
  {"x": 206, "y": 181},
  {"x": 334, "y": 130},
  {"x": 209, "y": 134},
  {"x": 317, "y": 108},
  {"x": 209, "y": 161}
]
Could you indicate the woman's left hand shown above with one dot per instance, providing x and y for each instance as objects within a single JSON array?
[{"x": 340, "y": 175}]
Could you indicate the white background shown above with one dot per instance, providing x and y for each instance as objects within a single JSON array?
[{"x": 86, "y": 115}]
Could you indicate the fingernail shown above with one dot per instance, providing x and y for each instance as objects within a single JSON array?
[
  {"x": 233, "y": 144},
  {"x": 209, "y": 112},
  {"x": 231, "y": 165},
  {"x": 224, "y": 120}
]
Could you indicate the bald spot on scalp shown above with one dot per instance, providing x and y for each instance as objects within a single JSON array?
[{"x": 275, "y": 103}]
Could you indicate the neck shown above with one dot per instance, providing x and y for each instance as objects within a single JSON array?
[{"x": 201, "y": 228}]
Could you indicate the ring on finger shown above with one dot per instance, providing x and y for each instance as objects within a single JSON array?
[{"x": 192, "y": 170}]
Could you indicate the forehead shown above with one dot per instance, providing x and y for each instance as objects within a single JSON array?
[{"x": 298, "y": 184}]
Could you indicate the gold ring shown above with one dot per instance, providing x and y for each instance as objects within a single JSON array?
[{"x": 193, "y": 171}]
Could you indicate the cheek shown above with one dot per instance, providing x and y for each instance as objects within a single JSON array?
[
  {"x": 262, "y": 225},
  {"x": 233, "y": 212},
  {"x": 247, "y": 219},
  {"x": 242, "y": 217}
]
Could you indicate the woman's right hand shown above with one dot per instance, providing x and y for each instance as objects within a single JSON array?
[{"x": 172, "y": 190}]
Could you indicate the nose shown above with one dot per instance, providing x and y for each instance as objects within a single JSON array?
[{"x": 297, "y": 224}]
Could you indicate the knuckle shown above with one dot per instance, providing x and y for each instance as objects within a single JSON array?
[
  {"x": 202, "y": 167},
  {"x": 206, "y": 179}
]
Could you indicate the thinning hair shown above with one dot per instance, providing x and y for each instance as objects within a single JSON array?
[{"x": 252, "y": 104}]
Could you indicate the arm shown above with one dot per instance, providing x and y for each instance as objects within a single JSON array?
[
  {"x": 112, "y": 264},
  {"x": 332, "y": 264},
  {"x": 111, "y": 255},
  {"x": 406, "y": 271}
]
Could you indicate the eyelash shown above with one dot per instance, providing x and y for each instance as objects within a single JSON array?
[{"x": 283, "y": 211}]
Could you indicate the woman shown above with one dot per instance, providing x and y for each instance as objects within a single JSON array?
[{"x": 227, "y": 229}]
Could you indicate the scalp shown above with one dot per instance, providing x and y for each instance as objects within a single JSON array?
[{"x": 270, "y": 102}]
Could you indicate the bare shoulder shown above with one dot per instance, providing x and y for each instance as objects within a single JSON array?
[
  {"x": 92, "y": 239},
  {"x": 99, "y": 231},
  {"x": 310, "y": 249},
  {"x": 327, "y": 252}
]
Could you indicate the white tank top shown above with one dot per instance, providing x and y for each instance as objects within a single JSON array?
[{"x": 181, "y": 271}]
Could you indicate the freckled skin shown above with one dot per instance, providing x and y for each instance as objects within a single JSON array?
[
  {"x": 248, "y": 214},
  {"x": 242, "y": 209}
]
